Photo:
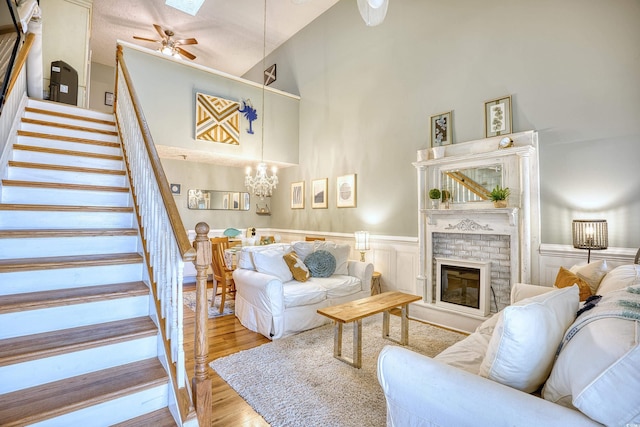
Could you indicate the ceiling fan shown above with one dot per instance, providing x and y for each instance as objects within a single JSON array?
[{"x": 170, "y": 46}]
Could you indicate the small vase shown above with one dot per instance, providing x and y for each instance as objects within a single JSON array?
[
  {"x": 435, "y": 203},
  {"x": 500, "y": 203}
]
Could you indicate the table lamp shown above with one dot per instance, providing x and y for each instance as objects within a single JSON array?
[
  {"x": 362, "y": 243},
  {"x": 590, "y": 234}
]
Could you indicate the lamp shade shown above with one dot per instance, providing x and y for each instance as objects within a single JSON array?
[
  {"x": 590, "y": 234},
  {"x": 362, "y": 240}
]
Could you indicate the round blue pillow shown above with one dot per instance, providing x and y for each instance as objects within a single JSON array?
[{"x": 320, "y": 263}]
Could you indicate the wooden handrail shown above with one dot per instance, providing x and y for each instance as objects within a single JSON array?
[
  {"x": 185, "y": 248},
  {"x": 23, "y": 53}
]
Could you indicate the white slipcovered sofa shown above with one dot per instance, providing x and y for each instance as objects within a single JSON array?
[
  {"x": 271, "y": 302},
  {"x": 589, "y": 376}
]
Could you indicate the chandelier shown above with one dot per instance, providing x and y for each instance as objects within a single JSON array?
[{"x": 262, "y": 185}]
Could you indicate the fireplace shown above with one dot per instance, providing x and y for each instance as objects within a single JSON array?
[{"x": 463, "y": 285}]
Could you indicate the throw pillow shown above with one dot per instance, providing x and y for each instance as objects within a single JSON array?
[
  {"x": 321, "y": 264},
  {"x": 339, "y": 251},
  {"x": 296, "y": 265},
  {"x": 525, "y": 339},
  {"x": 591, "y": 273},
  {"x": 619, "y": 278},
  {"x": 303, "y": 249},
  {"x": 597, "y": 370},
  {"x": 271, "y": 261},
  {"x": 566, "y": 278}
]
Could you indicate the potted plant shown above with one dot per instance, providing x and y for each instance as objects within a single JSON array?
[
  {"x": 434, "y": 195},
  {"x": 499, "y": 196}
]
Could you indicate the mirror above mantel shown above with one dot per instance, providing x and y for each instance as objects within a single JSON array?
[{"x": 471, "y": 184}]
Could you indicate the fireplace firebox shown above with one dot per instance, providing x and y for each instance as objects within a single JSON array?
[{"x": 463, "y": 285}]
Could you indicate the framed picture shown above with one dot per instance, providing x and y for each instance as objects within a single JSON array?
[
  {"x": 441, "y": 129},
  {"x": 108, "y": 98},
  {"x": 346, "y": 191},
  {"x": 497, "y": 117},
  {"x": 297, "y": 195},
  {"x": 175, "y": 188},
  {"x": 319, "y": 193}
]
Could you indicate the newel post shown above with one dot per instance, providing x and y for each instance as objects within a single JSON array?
[{"x": 201, "y": 382}]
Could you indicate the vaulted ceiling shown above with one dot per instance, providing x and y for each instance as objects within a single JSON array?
[{"x": 229, "y": 32}]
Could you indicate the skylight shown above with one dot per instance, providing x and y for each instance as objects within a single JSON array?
[{"x": 187, "y": 6}]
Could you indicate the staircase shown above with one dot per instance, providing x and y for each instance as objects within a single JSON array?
[{"x": 79, "y": 341}]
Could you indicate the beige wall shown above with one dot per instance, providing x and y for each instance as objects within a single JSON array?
[
  {"x": 102, "y": 80},
  {"x": 367, "y": 93}
]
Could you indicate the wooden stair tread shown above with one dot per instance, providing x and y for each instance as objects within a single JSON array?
[
  {"x": 45, "y": 263},
  {"x": 58, "y": 297},
  {"x": 68, "y": 126},
  {"x": 67, "y": 138},
  {"x": 63, "y": 208},
  {"x": 159, "y": 418},
  {"x": 69, "y": 232},
  {"x": 59, "y": 151},
  {"x": 63, "y": 186},
  {"x": 53, "y": 399},
  {"x": 69, "y": 116},
  {"x": 46, "y": 166},
  {"x": 31, "y": 347}
]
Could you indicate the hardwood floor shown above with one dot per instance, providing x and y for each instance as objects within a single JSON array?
[{"x": 226, "y": 336}]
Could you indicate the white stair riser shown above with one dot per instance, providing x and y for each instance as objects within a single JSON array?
[
  {"x": 68, "y": 109},
  {"x": 67, "y": 246},
  {"x": 67, "y": 278},
  {"x": 55, "y": 318},
  {"x": 20, "y": 376},
  {"x": 53, "y": 130},
  {"x": 53, "y": 219},
  {"x": 69, "y": 145},
  {"x": 69, "y": 121},
  {"x": 65, "y": 177},
  {"x": 113, "y": 411},
  {"x": 66, "y": 160},
  {"x": 61, "y": 196}
]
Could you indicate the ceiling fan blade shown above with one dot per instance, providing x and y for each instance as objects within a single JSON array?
[
  {"x": 185, "y": 53},
  {"x": 187, "y": 41},
  {"x": 146, "y": 39},
  {"x": 159, "y": 30}
]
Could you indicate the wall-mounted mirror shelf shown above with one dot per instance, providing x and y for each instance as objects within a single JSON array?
[{"x": 218, "y": 200}]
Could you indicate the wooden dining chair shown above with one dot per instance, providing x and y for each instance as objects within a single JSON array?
[{"x": 221, "y": 274}]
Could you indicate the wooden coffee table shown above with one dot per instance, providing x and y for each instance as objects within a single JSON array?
[{"x": 355, "y": 311}]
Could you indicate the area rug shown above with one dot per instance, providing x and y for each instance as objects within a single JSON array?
[
  {"x": 296, "y": 381},
  {"x": 229, "y": 303}
]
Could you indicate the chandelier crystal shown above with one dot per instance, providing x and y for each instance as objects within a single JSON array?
[{"x": 262, "y": 185}]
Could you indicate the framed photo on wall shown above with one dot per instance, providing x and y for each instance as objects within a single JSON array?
[
  {"x": 497, "y": 117},
  {"x": 319, "y": 193},
  {"x": 297, "y": 195},
  {"x": 441, "y": 129},
  {"x": 346, "y": 191}
]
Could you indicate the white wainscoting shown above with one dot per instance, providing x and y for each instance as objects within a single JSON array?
[
  {"x": 397, "y": 259},
  {"x": 552, "y": 257}
]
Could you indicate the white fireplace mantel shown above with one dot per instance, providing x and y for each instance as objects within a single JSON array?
[{"x": 519, "y": 221}]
